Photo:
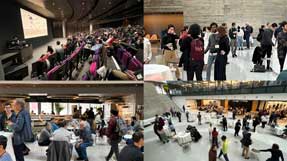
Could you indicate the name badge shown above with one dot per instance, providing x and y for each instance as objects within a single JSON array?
[{"x": 217, "y": 46}]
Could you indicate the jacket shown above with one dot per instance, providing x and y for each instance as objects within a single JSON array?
[
  {"x": 59, "y": 151},
  {"x": 18, "y": 128},
  {"x": 267, "y": 37},
  {"x": 111, "y": 131}
]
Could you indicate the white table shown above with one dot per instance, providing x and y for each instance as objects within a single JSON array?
[
  {"x": 9, "y": 147},
  {"x": 155, "y": 72}
]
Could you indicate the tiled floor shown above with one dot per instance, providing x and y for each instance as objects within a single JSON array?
[
  {"x": 155, "y": 150},
  {"x": 238, "y": 68}
]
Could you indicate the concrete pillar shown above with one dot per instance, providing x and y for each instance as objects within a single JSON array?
[
  {"x": 64, "y": 28},
  {"x": 91, "y": 28},
  {"x": 254, "y": 106},
  {"x": 225, "y": 105}
]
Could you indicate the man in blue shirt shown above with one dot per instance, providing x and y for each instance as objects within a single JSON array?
[{"x": 4, "y": 156}]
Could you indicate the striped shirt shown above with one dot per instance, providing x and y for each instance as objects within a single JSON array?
[{"x": 6, "y": 157}]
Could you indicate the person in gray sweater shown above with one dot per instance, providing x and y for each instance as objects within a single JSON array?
[
  {"x": 45, "y": 135},
  {"x": 266, "y": 44}
]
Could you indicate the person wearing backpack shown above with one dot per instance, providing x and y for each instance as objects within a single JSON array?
[
  {"x": 246, "y": 142},
  {"x": 113, "y": 135},
  {"x": 233, "y": 37},
  {"x": 193, "y": 53},
  {"x": 221, "y": 57}
]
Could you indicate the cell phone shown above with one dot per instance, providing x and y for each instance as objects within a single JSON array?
[
  {"x": 139, "y": 76},
  {"x": 217, "y": 46}
]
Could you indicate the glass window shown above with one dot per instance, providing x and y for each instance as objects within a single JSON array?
[
  {"x": 46, "y": 107},
  {"x": 33, "y": 107}
]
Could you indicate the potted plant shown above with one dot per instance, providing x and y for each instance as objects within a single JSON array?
[{"x": 58, "y": 108}]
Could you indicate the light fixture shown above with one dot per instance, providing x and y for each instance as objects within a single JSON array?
[{"x": 37, "y": 94}]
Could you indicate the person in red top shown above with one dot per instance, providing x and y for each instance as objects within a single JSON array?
[
  {"x": 214, "y": 137},
  {"x": 50, "y": 51},
  {"x": 113, "y": 137}
]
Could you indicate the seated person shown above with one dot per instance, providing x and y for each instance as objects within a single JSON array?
[
  {"x": 54, "y": 125},
  {"x": 43, "y": 57},
  {"x": 4, "y": 155},
  {"x": 62, "y": 134},
  {"x": 133, "y": 152},
  {"x": 8, "y": 115},
  {"x": 85, "y": 141},
  {"x": 45, "y": 135},
  {"x": 135, "y": 124}
]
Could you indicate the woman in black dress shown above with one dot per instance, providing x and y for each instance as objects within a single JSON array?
[{"x": 221, "y": 58}]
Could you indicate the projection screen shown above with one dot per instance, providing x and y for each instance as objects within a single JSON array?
[{"x": 33, "y": 25}]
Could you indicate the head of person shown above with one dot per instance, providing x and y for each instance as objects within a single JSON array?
[
  {"x": 284, "y": 25},
  {"x": 8, "y": 108},
  {"x": 214, "y": 129},
  {"x": 114, "y": 112},
  {"x": 233, "y": 24},
  {"x": 213, "y": 27},
  {"x": 275, "y": 147},
  {"x": 50, "y": 49},
  {"x": 194, "y": 30},
  {"x": 18, "y": 104},
  {"x": 274, "y": 26},
  {"x": 223, "y": 138},
  {"x": 138, "y": 139},
  {"x": 213, "y": 147},
  {"x": 58, "y": 42},
  {"x": 134, "y": 118},
  {"x": 3, "y": 143},
  {"x": 63, "y": 124},
  {"x": 156, "y": 116},
  {"x": 222, "y": 31},
  {"x": 170, "y": 29},
  {"x": 48, "y": 126},
  {"x": 82, "y": 125}
]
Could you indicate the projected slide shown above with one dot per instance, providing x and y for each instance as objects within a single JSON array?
[{"x": 33, "y": 25}]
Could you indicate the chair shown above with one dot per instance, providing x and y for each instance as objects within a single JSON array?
[{"x": 59, "y": 151}]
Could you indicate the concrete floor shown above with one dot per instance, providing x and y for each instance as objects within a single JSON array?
[
  {"x": 238, "y": 68},
  {"x": 155, "y": 150}
]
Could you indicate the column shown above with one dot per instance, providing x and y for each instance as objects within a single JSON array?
[
  {"x": 225, "y": 105},
  {"x": 254, "y": 106},
  {"x": 91, "y": 28},
  {"x": 64, "y": 28}
]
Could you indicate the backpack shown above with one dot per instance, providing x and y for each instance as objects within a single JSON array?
[
  {"x": 197, "y": 50},
  {"x": 121, "y": 127}
]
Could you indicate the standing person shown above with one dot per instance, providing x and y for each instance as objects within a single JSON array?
[
  {"x": 244, "y": 122},
  {"x": 234, "y": 111},
  {"x": 183, "y": 108},
  {"x": 237, "y": 128},
  {"x": 276, "y": 153},
  {"x": 224, "y": 123},
  {"x": 155, "y": 126},
  {"x": 178, "y": 114},
  {"x": 214, "y": 140},
  {"x": 210, "y": 131},
  {"x": 133, "y": 152},
  {"x": 4, "y": 155},
  {"x": 169, "y": 44},
  {"x": 221, "y": 58},
  {"x": 247, "y": 34},
  {"x": 8, "y": 115},
  {"x": 199, "y": 118},
  {"x": 233, "y": 38},
  {"x": 264, "y": 120},
  {"x": 224, "y": 148},
  {"x": 213, "y": 48},
  {"x": 282, "y": 45},
  {"x": 113, "y": 136},
  {"x": 91, "y": 118},
  {"x": 212, "y": 153},
  {"x": 193, "y": 53},
  {"x": 161, "y": 132},
  {"x": 187, "y": 116},
  {"x": 240, "y": 34},
  {"x": 266, "y": 44},
  {"x": 147, "y": 51},
  {"x": 20, "y": 129},
  {"x": 246, "y": 142},
  {"x": 255, "y": 123}
]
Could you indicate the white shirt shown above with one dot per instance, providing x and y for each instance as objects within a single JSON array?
[
  {"x": 147, "y": 50},
  {"x": 62, "y": 134},
  {"x": 240, "y": 33}
]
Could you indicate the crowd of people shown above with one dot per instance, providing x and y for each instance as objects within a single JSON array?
[
  {"x": 65, "y": 135},
  {"x": 218, "y": 148},
  {"x": 129, "y": 38},
  {"x": 218, "y": 41}
]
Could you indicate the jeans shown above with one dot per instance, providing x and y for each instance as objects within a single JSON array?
[
  {"x": 211, "y": 60},
  {"x": 240, "y": 42},
  {"x": 82, "y": 150},
  {"x": 18, "y": 151},
  {"x": 248, "y": 41},
  {"x": 233, "y": 46},
  {"x": 224, "y": 155},
  {"x": 114, "y": 149},
  {"x": 282, "y": 56}
]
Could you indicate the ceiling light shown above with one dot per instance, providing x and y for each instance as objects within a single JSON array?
[{"x": 37, "y": 94}]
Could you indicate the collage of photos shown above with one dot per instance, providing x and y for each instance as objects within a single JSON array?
[{"x": 143, "y": 80}]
